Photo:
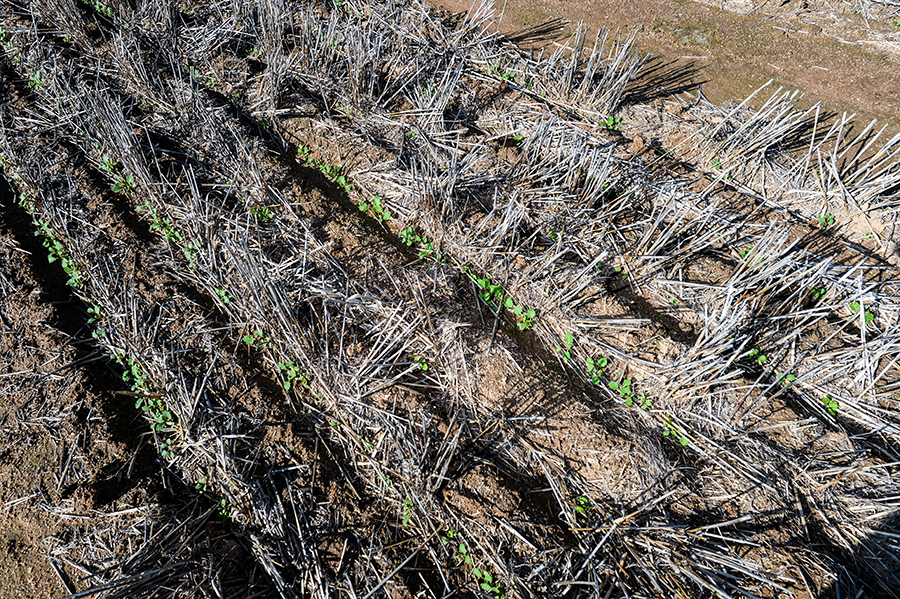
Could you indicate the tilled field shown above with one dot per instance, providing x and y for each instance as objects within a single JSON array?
[{"x": 360, "y": 300}]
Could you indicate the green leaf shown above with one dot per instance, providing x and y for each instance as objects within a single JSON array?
[
  {"x": 530, "y": 314},
  {"x": 476, "y": 572},
  {"x": 518, "y": 310},
  {"x": 287, "y": 385},
  {"x": 249, "y": 339},
  {"x": 684, "y": 441},
  {"x": 628, "y": 402},
  {"x": 613, "y": 385},
  {"x": 462, "y": 548},
  {"x": 488, "y": 577},
  {"x": 569, "y": 339},
  {"x": 854, "y": 306},
  {"x": 508, "y": 302}
]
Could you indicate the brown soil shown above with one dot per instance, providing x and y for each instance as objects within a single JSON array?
[{"x": 847, "y": 60}]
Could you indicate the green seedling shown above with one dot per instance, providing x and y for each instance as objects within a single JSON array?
[
  {"x": 124, "y": 184},
  {"x": 263, "y": 213},
  {"x": 201, "y": 485},
  {"x": 619, "y": 270},
  {"x": 292, "y": 373},
  {"x": 869, "y": 316},
  {"x": 487, "y": 583},
  {"x": 367, "y": 445},
  {"x": 817, "y": 294},
  {"x": 626, "y": 393},
  {"x": 826, "y": 220},
  {"x": 595, "y": 368},
  {"x": 382, "y": 214},
  {"x": 553, "y": 234},
  {"x": 786, "y": 379},
  {"x": 257, "y": 337},
  {"x": 333, "y": 173},
  {"x": 672, "y": 430},
  {"x": 463, "y": 557},
  {"x": 407, "y": 512},
  {"x": 35, "y": 80},
  {"x": 719, "y": 166},
  {"x": 166, "y": 450},
  {"x": 525, "y": 317},
  {"x": 566, "y": 352},
  {"x": 518, "y": 138},
  {"x": 410, "y": 237},
  {"x": 107, "y": 164},
  {"x": 758, "y": 357},
  {"x": 96, "y": 316},
  {"x": 831, "y": 406},
  {"x": 56, "y": 250},
  {"x": 223, "y": 511},
  {"x": 423, "y": 364},
  {"x": 302, "y": 151},
  {"x": 675, "y": 303},
  {"x": 223, "y": 296},
  {"x": 582, "y": 505},
  {"x": 611, "y": 123}
]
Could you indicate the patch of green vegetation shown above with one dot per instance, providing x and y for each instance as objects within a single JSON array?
[
  {"x": 257, "y": 337},
  {"x": 410, "y": 237},
  {"x": 407, "y": 512},
  {"x": 626, "y": 393},
  {"x": 611, "y": 123},
  {"x": 382, "y": 214},
  {"x": 671, "y": 430},
  {"x": 831, "y": 406},
  {"x": 566, "y": 351},
  {"x": 422, "y": 362},
  {"x": 719, "y": 166},
  {"x": 818, "y": 294},
  {"x": 35, "y": 80},
  {"x": 582, "y": 505},
  {"x": 334, "y": 174},
  {"x": 263, "y": 213},
  {"x": 869, "y": 316},
  {"x": 100, "y": 7},
  {"x": 485, "y": 578},
  {"x": 223, "y": 511},
  {"x": 595, "y": 368},
  {"x": 758, "y": 357},
  {"x": 291, "y": 373},
  {"x": 224, "y": 297},
  {"x": 96, "y": 315},
  {"x": 56, "y": 250},
  {"x": 786, "y": 379},
  {"x": 826, "y": 220}
]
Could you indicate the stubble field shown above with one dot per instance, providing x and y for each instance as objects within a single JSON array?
[{"x": 363, "y": 300}]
